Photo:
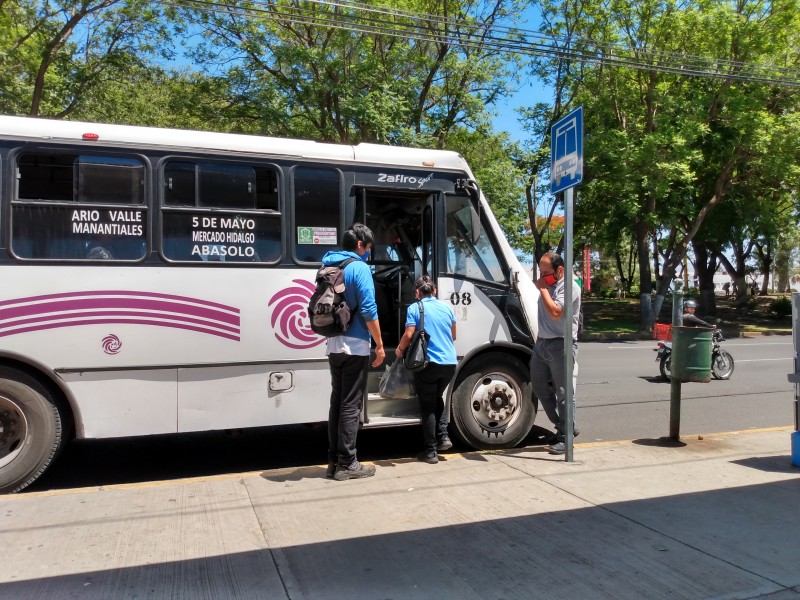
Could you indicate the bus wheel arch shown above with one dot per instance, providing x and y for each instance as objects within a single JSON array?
[
  {"x": 491, "y": 403},
  {"x": 35, "y": 424}
]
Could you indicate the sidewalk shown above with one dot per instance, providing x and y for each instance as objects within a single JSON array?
[{"x": 716, "y": 518}]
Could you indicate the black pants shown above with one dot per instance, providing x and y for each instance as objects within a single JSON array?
[
  {"x": 348, "y": 387},
  {"x": 431, "y": 383}
]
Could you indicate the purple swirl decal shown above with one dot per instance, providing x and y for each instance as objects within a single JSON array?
[
  {"x": 111, "y": 344},
  {"x": 290, "y": 316}
]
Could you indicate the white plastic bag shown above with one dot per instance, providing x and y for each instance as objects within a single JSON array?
[{"x": 397, "y": 382}]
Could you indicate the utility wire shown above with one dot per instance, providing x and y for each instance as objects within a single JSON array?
[
  {"x": 371, "y": 20},
  {"x": 529, "y": 34}
]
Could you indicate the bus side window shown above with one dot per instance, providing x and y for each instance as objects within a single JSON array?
[
  {"x": 219, "y": 213},
  {"x": 469, "y": 254},
  {"x": 317, "y": 208},
  {"x": 68, "y": 205}
]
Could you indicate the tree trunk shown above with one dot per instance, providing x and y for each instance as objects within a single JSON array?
[
  {"x": 646, "y": 318},
  {"x": 705, "y": 267},
  {"x": 765, "y": 258},
  {"x": 782, "y": 258}
]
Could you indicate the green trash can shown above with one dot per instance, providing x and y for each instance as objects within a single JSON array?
[{"x": 691, "y": 354}]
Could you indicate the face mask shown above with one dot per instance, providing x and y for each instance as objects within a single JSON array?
[
  {"x": 365, "y": 258},
  {"x": 550, "y": 279}
]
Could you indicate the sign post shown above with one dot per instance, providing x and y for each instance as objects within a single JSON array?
[
  {"x": 566, "y": 171},
  {"x": 795, "y": 379}
]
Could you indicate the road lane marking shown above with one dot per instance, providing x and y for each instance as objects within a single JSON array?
[
  {"x": 764, "y": 343},
  {"x": 741, "y": 360}
]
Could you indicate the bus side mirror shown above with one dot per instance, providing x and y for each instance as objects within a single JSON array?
[
  {"x": 474, "y": 193},
  {"x": 475, "y": 226}
]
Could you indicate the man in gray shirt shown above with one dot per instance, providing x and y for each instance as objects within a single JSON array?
[{"x": 548, "y": 375}]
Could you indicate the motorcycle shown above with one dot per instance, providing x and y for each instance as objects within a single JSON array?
[{"x": 721, "y": 360}]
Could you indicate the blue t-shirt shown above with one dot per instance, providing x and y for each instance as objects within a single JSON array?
[{"x": 439, "y": 319}]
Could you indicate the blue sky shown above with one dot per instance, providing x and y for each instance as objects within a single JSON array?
[
  {"x": 528, "y": 94},
  {"x": 529, "y": 91}
]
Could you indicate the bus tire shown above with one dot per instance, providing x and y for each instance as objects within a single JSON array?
[
  {"x": 492, "y": 405},
  {"x": 32, "y": 429}
]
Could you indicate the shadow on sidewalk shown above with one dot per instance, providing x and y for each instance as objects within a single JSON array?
[
  {"x": 770, "y": 464},
  {"x": 732, "y": 542}
]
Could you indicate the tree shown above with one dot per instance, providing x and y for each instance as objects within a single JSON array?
[
  {"x": 662, "y": 151},
  {"x": 494, "y": 161},
  {"x": 57, "y": 52},
  {"x": 345, "y": 73}
]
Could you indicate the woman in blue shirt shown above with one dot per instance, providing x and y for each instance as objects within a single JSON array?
[{"x": 431, "y": 382}]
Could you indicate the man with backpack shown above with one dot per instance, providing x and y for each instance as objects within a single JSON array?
[{"x": 349, "y": 353}]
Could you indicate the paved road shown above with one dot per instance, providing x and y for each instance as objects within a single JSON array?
[{"x": 620, "y": 396}]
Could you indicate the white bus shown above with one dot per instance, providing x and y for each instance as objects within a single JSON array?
[{"x": 156, "y": 281}]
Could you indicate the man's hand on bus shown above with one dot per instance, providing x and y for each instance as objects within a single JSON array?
[
  {"x": 375, "y": 331},
  {"x": 380, "y": 355}
]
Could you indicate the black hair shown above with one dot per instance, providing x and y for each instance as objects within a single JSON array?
[
  {"x": 555, "y": 260},
  {"x": 356, "y": 233},
  {"x": 425, "y": 285}
]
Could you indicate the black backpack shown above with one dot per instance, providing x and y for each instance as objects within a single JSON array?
[{"x": 327, "y": 311}]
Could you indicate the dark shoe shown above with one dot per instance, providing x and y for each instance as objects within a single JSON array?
[
  {"x": 355, "y": 471},
  {"x": 428, "y": 457},
  {"x": 444, "y": 444},
  {"x": 331, "y": 470},
  {"x": 559, "y": 448},
  {"x": 554, "y": 439}
]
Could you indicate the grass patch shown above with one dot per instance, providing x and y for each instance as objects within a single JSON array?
[
  {"x": 609, "y": 317},
  {"x": 611, "y": 325}
]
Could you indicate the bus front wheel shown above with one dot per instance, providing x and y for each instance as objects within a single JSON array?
[
  {"x": 492, "y": 404},
  {"x": 31, "y": 430}
]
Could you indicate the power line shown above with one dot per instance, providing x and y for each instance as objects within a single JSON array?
[
  {"x": 529, "y": 34},
  {"x": 389, "y": 22}
]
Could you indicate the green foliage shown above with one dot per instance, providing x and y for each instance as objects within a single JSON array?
[
  {"x": 781, "y": 307},
  {"x": 492, "y": 160},
  {"x": 668, "y": 157},
  {"x": 360, "y": 82},
  {"x": 665, "y": 152},
  {"x": 56, "y": 52}
]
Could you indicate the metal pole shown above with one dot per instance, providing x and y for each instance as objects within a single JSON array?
[
  {"x": 796, "y": 340},
  {"x": 675, "y": 384},
  {"x": 569, "y": 417}
]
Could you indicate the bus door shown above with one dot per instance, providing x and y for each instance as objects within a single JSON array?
[{"x": 403, "y": 249}]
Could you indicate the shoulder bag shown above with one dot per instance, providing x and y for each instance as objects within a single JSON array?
[{"x": 416, "y": 356}]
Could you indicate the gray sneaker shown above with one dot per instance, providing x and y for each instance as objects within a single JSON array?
[
  {"x": 428, "y": 457},
  {"x": 444, "y": 444},
  {"x": 556, "y": 438},
  {"x": 356, "y": 470},
  {"x": 331, "y": 470},
  {"x": 559, "y": 448}
]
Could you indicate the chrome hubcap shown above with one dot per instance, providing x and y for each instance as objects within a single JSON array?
[{"x": 495, "y": 402}]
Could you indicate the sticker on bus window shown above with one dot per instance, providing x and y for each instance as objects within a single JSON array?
[{"x": 320, "y": 236}]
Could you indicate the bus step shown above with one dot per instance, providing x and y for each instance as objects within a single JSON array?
[{"x": 376, "y": 422}]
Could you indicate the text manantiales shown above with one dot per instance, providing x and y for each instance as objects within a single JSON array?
[
  {"x": 121, "y": 229},
  {"x": 123, "y": 222}
]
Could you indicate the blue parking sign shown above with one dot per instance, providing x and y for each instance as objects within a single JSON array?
[{"x": 566, "y": 151}]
